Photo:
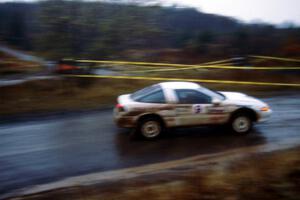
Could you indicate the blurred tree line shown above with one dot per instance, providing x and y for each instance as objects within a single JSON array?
[{"x": 103, "y": 30}]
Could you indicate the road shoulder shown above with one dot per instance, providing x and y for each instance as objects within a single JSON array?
[{"x": 233, "y": 174}]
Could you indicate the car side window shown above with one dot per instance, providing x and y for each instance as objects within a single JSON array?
[
  {"x": 192, "y": 97},
  {"x": 155, "y": 97}
]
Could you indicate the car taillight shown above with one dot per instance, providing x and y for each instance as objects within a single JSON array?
[{"x": 120, "y": 107}]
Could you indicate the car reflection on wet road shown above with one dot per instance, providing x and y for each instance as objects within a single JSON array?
[{"x": 46, "y": 150}]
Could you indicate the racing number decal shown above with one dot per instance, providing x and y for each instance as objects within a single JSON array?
[{"x": 197, "y": 109}]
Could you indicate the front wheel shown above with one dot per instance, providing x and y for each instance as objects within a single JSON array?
[
  {"x": 241, "y": 124},
  {"x": 150, "y": 128}
]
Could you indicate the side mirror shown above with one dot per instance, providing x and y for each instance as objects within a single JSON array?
[{"x": 216, "y": 102}]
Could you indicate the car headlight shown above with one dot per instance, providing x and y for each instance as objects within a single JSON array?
[{"x": 265, "y": 109}]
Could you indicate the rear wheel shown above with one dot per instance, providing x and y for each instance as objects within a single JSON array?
[
  {"x": 150, "y": 128},
  {"x": 241, "y": 123}
]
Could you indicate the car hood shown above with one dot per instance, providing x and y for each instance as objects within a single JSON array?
[{"x": 242, "y": 99}]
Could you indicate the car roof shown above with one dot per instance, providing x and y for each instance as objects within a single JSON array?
[{"x": 179, "y": 85}]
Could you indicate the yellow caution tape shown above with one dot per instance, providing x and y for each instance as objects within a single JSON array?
[
  {"x": 150, "y": 63},
  {"x": 187, "y": 79},
  {"x": 217, "y": 62},
  {"x": 219, "y": 67},
  {"x": 275, "y": 58},
  {"x": 184, "y": 66},
  {"x": 132, "y": 63}
]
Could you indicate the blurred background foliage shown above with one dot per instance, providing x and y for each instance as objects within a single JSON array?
[{"x": 57, "y": 29}]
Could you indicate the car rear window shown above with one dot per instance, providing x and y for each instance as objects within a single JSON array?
[
  {"x": 154, "y": 97},
  {"x": 152, "y": 94},
  {"x": 145, "y": 91}
]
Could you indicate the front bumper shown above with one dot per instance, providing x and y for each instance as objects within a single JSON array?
[{"x": 264, "y": 115}]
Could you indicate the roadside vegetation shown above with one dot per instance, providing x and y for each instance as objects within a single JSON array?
[
  {"x": 130, "y": 30},
  {"x": 60, "y": 93},
  {"x": 63, "y": 95},
  {"x": 268, "y": 176},
  {"x": 74, "y": 94}
]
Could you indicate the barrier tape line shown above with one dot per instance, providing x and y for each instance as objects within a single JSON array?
[
  {"x": 203, "y": 65},
  {"x": 275, "y": 58},
  {"x": 155, "y": 66},
  {"x": 185, "y": 66},
  {"x": 149, "y": 63},
  {"x": 131, "y": 63},
  {"x": 187, "y": 79},
  {"x": 224, "y": 62},
  {"x": 217, "y": 62},
  {"x": 219, "y": 67},
  {"x": 152, "y": 64}
]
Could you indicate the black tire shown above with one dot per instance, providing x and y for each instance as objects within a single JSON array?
[
  {"x": 241, "y": 123},
  {"x": 150, "y": 128}
]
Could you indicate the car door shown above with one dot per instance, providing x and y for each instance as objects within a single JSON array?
[{"x": 195, "y": 108}]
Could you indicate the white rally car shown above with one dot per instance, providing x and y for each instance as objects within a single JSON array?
[{"x": 176, "y": 104}]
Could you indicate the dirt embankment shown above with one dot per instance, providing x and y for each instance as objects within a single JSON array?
[
  {"x": 10, "y": 65},
  {"x": 267, "y": 176}
]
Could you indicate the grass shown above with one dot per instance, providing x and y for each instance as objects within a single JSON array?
[
  {"x": 63, "y": 94},
  {"x": 283, "y": 76},
  {"x": 269, "y": 176},
  {"x": 66, "y": 94}
]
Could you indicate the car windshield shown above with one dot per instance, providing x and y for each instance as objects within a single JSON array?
[
  {"x": 143, "y": 92},
  {"x": 213, "y": 94}
]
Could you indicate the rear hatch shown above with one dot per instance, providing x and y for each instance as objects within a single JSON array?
[{"x": 124, "y": 99}]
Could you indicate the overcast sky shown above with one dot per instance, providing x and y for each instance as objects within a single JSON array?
[{"x": 272, "y": 11}]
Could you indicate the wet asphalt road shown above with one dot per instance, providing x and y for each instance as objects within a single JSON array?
[{"x": 46, "y": 150}]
